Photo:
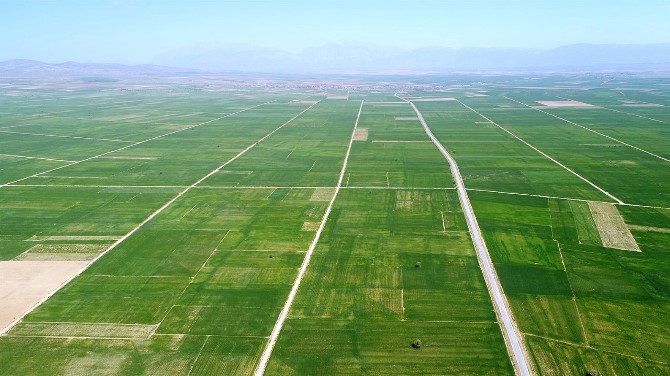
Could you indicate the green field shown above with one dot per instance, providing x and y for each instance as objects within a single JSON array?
[{"x": 198, "y": 285}]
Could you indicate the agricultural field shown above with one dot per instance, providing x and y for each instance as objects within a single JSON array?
[{"x": 185, "y": 229}]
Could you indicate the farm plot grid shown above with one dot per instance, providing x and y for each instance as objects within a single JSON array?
[
  {"x": 191, "y": 213},
  {"x": 585, "y": 286}
]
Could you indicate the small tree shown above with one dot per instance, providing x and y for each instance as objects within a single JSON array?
[
  {"x": 418, "y": 264},
  {"x": 592, "y": 372},
  {"x": 416, "y": 344}
]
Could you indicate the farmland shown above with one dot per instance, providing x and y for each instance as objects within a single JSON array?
[{"x": 194, "y": 211}]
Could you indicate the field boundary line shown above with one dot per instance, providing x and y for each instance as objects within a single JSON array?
[
  {"x": 590, "y": 130},
  {"x": 131, "y": 145},
  {"x": 572, "y": 290},
  {"x": 624, "y": 112},
  {"x": 61, "y": 136},
  {"x": 141, "y": 224},
  {"x": 516, "y": 348},
  {"x": 190, "y": 370},
  {"x": 40, "y": 158},
  {"x": 544, "y": 154},
  {"x": 563, "y": 198},
  {"x": 283, "y": 315},
  {"x": 549, "y": 339}
]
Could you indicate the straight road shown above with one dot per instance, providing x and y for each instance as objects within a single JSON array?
[
  {"x": 283, "y": 315},
  {"x": 513, "y": 338}
]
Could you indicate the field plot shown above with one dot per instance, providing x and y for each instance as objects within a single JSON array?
[
  {"x": 215, "y": 265},
  {"x": 387, "y": 273},
  {"x": 196, "y": 204},
  {"x": 307, "y": 152},
  {"x": 490, "y": 159},
  {"x": 607, "y": 164},
  {"x": 572, "y": 296},
  {"x": 395, "y": 153}
]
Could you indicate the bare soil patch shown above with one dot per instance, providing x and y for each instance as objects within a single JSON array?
[
  {"x": 614, "y": 232},
  {"x": 642, "y": 105},
  {"x": 310, "y": 226},
  {"x": 322, "y": 194},
  {"x": 23, "y": 284},
  {"x": 564, "y": 104},
  {"x": 120, "y": 117},
  {"x": 76, "y": 329},
  {"x": 437, "y": 99},
  {"x": 304, "y": 101},
  {"x": 648, "y": 228},
  {"x": 361, "y": 134},
  {"x": 67, "y": 248},
  {"x": 96, "y": 364},
  {"x": 129, "y": 158},
  {"x": 37, "y": 238}
]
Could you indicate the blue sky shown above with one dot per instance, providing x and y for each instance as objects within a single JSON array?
[{"x": 134, "y": 31}]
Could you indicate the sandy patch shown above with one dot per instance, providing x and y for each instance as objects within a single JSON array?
[
  {"x": 120, "y": 117},
  {"x": 390, "y": 299},
  {"x": 76, "y": 329},
  {"x": 648, "y": 228},
  {"x": 55, "y": 257},
  {"x": 322, "y": 194},
  {"x": 564, "y": 104},
  {"x": 304, "y": 101},
  {"x": 95, "y": 364},
  {"x": 405, "y": 118},
  {"x": 129, "y": 158},
  {"x": 310, "y": 226},
  {"x": 23, "y": 285},
  {"x": 441, "y": 99},
  {"x": 36, "y": 238},
  {"x": 399, "y": 141},
  {"x": 603, "y": 145},
  {"x": 236, "y": 172},
  {"x": 361, "y": 134},
  {"x": 614, "y": 232},
  {"x": 408, "y": 199},
  {"x": 642, "y": 105}
]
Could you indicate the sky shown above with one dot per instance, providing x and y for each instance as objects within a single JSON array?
[{"x": 135, "y": 31}]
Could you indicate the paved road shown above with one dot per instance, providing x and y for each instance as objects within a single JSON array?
[
  {"x": 513, "y": 338},
  {"x": 283, "y": 315}
]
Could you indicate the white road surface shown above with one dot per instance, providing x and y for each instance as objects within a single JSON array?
[
  {"x": 513, "y": 338},
  {"x": 283, "y": 315}
]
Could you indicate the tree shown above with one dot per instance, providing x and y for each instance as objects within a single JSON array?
[{"x": 416, "y": 344}]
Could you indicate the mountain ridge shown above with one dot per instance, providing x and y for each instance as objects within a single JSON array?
[{"x": 364, "y": 58}]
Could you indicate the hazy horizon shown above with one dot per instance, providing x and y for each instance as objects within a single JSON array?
[{"x": 136, "y": 32}]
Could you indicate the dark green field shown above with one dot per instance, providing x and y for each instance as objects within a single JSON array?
[{"x": 222, "y": 192}]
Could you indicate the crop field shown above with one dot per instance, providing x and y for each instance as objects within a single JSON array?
[{"x": 166, "y": 228}]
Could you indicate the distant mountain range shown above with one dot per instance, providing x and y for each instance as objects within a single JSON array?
[
  {"x": 365, "y": 58},
  {"x": 32, "y": 68}
]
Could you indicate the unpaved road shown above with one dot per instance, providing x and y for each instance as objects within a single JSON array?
[
  {"x": 283, "y": 315},
  {"x": 513, "y": 338}
]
